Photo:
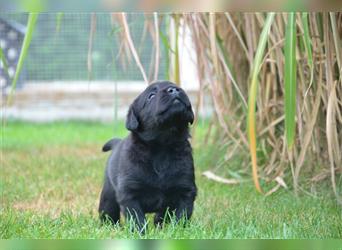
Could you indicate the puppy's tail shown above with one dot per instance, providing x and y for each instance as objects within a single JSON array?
[{"x": 110, "y": 144}]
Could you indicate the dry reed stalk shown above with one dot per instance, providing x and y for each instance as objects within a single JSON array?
[
  {"x": 132, "y": 47},
  {"x": 157, "y": 45}
]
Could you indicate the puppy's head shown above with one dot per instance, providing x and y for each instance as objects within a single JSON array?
[{"x": 161, "y": 106}]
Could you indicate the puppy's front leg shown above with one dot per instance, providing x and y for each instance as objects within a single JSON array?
[
  {"x": 184, "y": 208},
  {"x": 133, "y": 212}
]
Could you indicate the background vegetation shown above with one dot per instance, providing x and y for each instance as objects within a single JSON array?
[{"x": 275, "y": 83}]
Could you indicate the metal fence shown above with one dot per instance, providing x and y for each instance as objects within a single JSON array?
[
  {"x": 60, "y": 44},
  {"x": 56, "y": 83}
]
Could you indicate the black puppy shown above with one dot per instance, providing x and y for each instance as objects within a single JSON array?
[{"x": 151, "y": 171}]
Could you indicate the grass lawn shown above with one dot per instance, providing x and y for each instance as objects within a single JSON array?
[{"x": 51, "y": 178}]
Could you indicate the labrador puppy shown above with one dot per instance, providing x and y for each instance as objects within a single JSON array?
[{"x": 151, "y": 170}]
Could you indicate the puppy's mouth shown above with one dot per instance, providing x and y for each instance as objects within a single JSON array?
[
  {"x": 172, "y": 111},
  {"x": 174, "y": 105},
  {"x": 178, "y": 101}
]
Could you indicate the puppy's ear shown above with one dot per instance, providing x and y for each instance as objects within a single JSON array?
[{"x": 131, "y": 120}]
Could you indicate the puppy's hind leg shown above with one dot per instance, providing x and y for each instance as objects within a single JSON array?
[{"x": 109, "y": 208}]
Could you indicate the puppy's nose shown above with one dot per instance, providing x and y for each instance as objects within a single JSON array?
[{"x": 173, "y": 90}]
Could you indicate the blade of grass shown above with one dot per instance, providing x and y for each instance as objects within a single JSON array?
[
  {"x": 31, "y": 24},
  {"x": 308, "y": 49},
  {"x": 236, "y": 32},
  {"x": 290, "y": 80},
  {"x": 157, "y": 55},
  {"x": 331, "y": 128},
  {"x": 217, "y": 89},
  {"x": 4, "y": 61},
  {"x": 176, "y": 75},
  {"x": 309, "y": 131},
  {"x": 337, "y": 41},
  {"x": 59, "y": 17},
  {"x": 332, "y": 138},
  {"x": 252, "y": 97},
  {"x": 90, "y": 44},
  {"x": 167, "y": 47},
  {"x": 167, "y": 51},
  {"x": 227, "y": 66}
]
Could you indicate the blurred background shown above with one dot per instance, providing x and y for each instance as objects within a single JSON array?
[{"x": 77, "y": 66}]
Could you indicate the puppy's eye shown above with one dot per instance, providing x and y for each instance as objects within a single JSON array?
[{"x": 151, "y": 96}]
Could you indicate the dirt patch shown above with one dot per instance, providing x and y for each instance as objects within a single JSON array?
[
  {"x": 86, "y": 152},
  {"x": 52, "y": 204},
  {"x": 54, "y": 208}
]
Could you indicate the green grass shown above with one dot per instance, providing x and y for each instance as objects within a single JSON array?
[{"x": 51, "y": 177}]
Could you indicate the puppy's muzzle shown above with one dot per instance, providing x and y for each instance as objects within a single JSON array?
[{"x": 173, "y": 91}]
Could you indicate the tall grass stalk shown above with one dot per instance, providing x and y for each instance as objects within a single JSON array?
[
  {"x": 3, "y": 61},
  {"x": 31, "y": 24},
  {"x": 253, "y": 95},
  {"x": 290, "y": 80},
  {"x": 175, "y": 57}
]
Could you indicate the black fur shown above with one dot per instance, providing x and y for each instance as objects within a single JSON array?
[
  {"x": 151, "y": 170},
  {"x": 110, "y": 144}
]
